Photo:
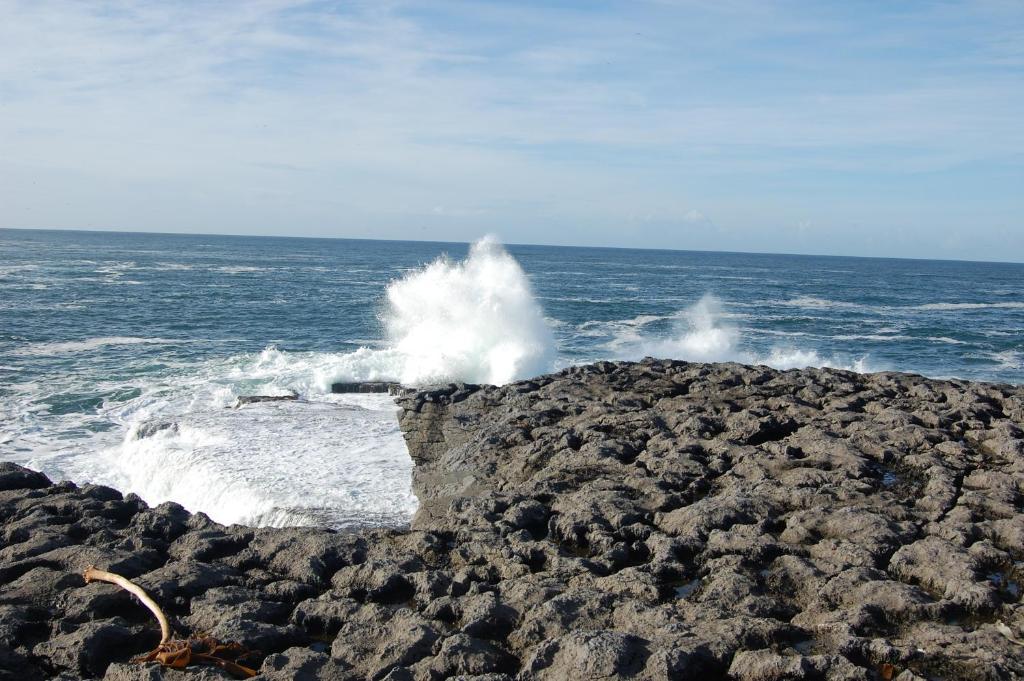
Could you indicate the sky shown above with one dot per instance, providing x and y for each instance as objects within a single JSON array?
[{"x": 854, "y": 127}]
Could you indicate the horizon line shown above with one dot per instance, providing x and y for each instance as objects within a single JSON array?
[{"x": 503, "y": 242}]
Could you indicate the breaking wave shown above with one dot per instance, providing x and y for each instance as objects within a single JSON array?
[
  {"x": 475, "y": 320},
  {"x": 702, "y": 333},
  {"x": 341, "y": 459}
]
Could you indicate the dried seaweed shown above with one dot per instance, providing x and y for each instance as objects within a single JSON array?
[
  {"x": 178, "y": 653},
  {"x": 205, "y": 650}
]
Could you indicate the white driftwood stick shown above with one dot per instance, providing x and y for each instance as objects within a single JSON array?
[{"x": 92, "y": 574}]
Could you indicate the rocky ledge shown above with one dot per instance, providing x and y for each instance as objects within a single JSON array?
[{"x": 659, "y": 520}]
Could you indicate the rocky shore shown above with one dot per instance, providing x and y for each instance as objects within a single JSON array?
[{"x": 653, "y": 520}]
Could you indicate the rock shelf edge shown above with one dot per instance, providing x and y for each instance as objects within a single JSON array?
[{"x": 651, "y": 520}]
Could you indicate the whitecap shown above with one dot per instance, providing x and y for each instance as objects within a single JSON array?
[
  {"x": 813, "y": 302},
  {"x": 703, "y": 334},
  {"x": 87, "y": 345},
  {"x": 870, "y": 337},
  {"x": 940, "y": 307},
  {"x": 946, "y": 339},
  {"x": 241, "y": 269},
  {"x": 1008, "y": 359}
]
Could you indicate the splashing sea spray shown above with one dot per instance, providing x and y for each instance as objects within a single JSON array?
[{"x": 475, "y": 320}]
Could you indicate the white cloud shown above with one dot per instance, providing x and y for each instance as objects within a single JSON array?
[{"x": 238, "y": 116}]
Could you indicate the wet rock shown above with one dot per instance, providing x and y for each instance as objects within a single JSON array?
[
  {"x": 13, "y": 476},
  {"x": 151, "y": 428},
  {"x": 256, "y": 399},
  {"x": 366, "y": 387}
]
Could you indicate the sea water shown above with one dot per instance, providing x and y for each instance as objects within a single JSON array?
[{"x": 122, "y": 355}]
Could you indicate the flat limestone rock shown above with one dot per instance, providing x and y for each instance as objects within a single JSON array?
[
  {"x": 367, "y": 387},
  {"x": 651, "y": 520},
  {"x": 256, "y": 399}
]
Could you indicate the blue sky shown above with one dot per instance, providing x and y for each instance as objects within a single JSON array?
[{"x": 853, "y": 128}]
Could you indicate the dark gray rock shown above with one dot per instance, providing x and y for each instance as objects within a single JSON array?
[
  {"x": 266, "y": 638},
  {"x": 153, "y": 672},
  {"x": 325, "y": 614},
  {"x": 151, "y": 428},
  {"x": 587, "y": 654},
  {"x": 739, "y": 498},
  {"x": 305, "y": 555},
  {"x": 21, "y": 624},
  {"x": 166, "y": 522},
  {"x": 255, "y": 399},
  {"x": 13, "y": 476},
  {"x": 210, "y": 544},
  {"x": 366, "y": 387},
  {"x": 186, "y": 579},
  {"x": 467, "y": 656},
  {"x": 89, "y": 648},
  {"x": 303, "y": 664},
  {"x": 133, "y": 672},
  {"x": 220, "y": 604},
  {"x": 652, "y": 520},
  {"x": 17, "y": 667}
]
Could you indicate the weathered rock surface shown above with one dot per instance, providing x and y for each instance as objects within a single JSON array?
[
  {"x": 367, "y": 387},
  {"x": 657, "y": 520},
  {"x": 255, "y": 399}
]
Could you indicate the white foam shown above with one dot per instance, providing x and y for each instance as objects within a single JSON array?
[
  {"x": 1009, "y": 359},
  {"x": 701, "y": 337},
  {"x": 774, "y": 332},
  {"x": 870, "y": 337},
  {"x": 946, "y": 339},
  {"x": 87, "y": 345},
  {"x": 703, "y": 334},
  {"x": 172, "y": 267},
  {"x": 814, "y": 303},
  {"x": 297, "y": 463},
  {"x": 241, "y": 269},
  {"x": 970, "y": 306},
  {"x": 475, "y": 320},
  {"x": 332, "y": 460},
  {"x": 325, "y": 459}
]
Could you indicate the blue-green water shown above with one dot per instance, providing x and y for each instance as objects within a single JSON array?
[{"x": 103, "y": 332}]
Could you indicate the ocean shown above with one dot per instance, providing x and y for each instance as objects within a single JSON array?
[{"x": 122, "y": 354}]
